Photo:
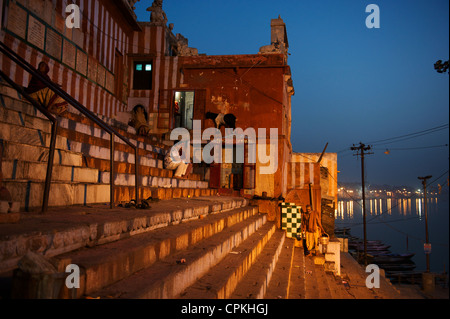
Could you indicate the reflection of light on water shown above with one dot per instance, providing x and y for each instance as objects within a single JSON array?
[
  {"x": 419, "y": 207},
  {"x": 387, "y": 206},
  {"x": 340, "y": 210},
  {"x": 345, "y": 210},
  {"x": 350, "y": 209}
]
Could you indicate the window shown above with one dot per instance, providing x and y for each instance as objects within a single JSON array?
[{"x": 142, "y": 78}]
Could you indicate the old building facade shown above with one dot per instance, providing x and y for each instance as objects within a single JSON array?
[{"x": 112, "y": 63}]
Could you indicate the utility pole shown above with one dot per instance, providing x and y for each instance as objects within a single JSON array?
[
  {"x": 361, "y": 149},
  {"x": 424, "y": 183}
]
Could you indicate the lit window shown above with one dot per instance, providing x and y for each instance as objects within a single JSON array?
[{"x": 142, "y": 78}]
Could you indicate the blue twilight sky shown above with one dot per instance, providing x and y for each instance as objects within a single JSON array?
[{"x": 352, "y": 84}]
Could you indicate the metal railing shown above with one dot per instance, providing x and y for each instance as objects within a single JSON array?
[{"x": 90, "y": 115}]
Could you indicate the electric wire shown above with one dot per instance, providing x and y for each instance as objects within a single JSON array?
[
  {"x": 403, "y": 137},
  {"x": 419, "y": 133},
  {"x": 414, "y": 148}
]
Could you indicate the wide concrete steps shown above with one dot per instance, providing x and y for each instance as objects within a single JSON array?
[
  {"x": 27, "y": 170},
  {"x": 36, "y": 138},
  {"x": 170, "y": 277},
  {"x": 20, "y": 112},
  {"x": 106, "y": 264},
  {"x": 29, "y": 193},
  {"x": 81, "y": 169},
  {"x": 286, "y": 279},
  {"x": 298, "y": 277},
  {"x": 64, "y": 231},
  {"x": 254, "y": 284},
  {"x": 11, "y": 99},
  {"x": 235, "y": 274}
]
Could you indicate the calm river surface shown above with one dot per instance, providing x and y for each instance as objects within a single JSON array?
[{"x": 401, "y": 224}]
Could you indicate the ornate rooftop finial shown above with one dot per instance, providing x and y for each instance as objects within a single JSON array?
[
  {"x": 132, "y": 3},
  {"x": 279, "y": 42},
  {"x": 157, "y": 16}
]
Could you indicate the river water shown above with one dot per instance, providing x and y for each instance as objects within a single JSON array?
[{"x": 400, "y": 223}]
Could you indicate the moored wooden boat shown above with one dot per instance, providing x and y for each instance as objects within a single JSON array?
[
  {"x": 371, "y": 248},
  {"x": 391, "y": 258},
  {"x": 397, "y": 266}
]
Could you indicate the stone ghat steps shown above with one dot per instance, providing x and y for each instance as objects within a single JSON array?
[
  {"x": 107, "y": 264},
  {"x": 26, "y": 170},
  {"x": 235, "y": 275},
  {"x": 76, "y": 133},
  {"x": 91, "y": 142},
  {"x": 168, "y": 278},
  {"x": 82, "y": 156},
  {"x": 11, "y": 99},
  {"x": 20, "y": 112},
  {"x": 254, "y": 284},
  {"x": 284, "y": 272},
  {"x": 20, "y": 157},
  {"x": 298, "y": 277},
  {"x": 63, "y": 231},
  {"x": 129, "y": 168},
  {"x": 29, "y": 193},
  {"x": 26, "y": 137}
]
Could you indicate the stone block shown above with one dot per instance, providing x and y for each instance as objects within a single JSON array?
[
  {"x": 14, "y": 207},
  {"x": 169, "y": 193},
  {"x": 329, "y": 257},
  {"x": 319, "y": 260},
  {"x": 177, "y": 193},
  {"x": 330, "y": 266},
  {"x": 4, "y": 207},
  {"x": 10, "y": 218}
]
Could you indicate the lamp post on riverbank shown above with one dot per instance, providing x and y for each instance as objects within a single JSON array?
[{"x": 424, "y": 183}]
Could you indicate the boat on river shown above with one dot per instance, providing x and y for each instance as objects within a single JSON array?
[
  {"x": 406, "y": 266},
  {"x": 391, "y": 258},
  {"x": 370, "y": 247}
]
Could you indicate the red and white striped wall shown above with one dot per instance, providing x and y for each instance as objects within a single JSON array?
[
  {"x": 104, "y": 31},
  {"x": 152, "y": 42},
  {"x": 103, "y": 34}
]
